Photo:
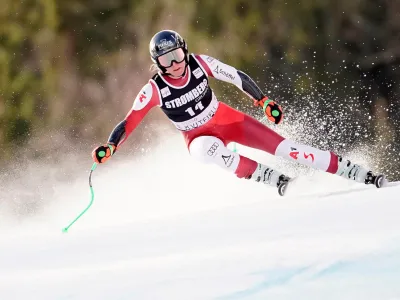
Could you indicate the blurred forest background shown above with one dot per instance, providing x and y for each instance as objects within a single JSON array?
[{"x": 70, "y": 70}]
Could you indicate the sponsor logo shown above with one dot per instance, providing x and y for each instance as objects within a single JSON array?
[
  {"x": 164, "y": 44},
  {"x": 267, "y": 175},
  {"x": 210, "y": 59},
  {"x": 194, "y": 95},
  {"x": 228, "y": 159},
  {"x": 212, "y": 149},
  {"x": 198, "y": 73},
  {"x": 309, "y": 155},
  {"x": 142, "y": 97},
  {"x": 165, "y": 92},
  {"x": 294, "y": 154},
  {"x": 224, "y": 73}
]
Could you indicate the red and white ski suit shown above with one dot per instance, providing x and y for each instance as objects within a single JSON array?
[{"x": 208, "y": 133}]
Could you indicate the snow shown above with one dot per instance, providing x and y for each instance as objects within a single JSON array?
[{"x": 166, "y": 227}]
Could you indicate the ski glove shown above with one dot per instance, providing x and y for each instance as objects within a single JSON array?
[
  {"x": 272, "y": 110},
  {"x": 102, "y": 153}
]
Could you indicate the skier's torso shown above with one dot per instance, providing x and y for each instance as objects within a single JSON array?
[
  {"x": 188, "y": 102},
  {"x": 191, "y": 105}
]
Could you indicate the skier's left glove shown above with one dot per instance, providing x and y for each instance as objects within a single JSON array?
[{"x": 272, "y": 110}]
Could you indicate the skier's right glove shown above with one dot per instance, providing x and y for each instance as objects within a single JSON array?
[{"x": 102, "y": 153}]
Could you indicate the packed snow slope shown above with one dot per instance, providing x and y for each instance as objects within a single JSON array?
[{"x": 166, "y": 227}]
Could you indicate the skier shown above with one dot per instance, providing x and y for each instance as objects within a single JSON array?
[{"x": 181, "y": 89}]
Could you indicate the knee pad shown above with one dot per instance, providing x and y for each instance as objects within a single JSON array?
[{"x": 209, "y": 149}]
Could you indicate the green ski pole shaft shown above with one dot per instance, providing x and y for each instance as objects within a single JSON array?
[{"x": 91, "y": 201}]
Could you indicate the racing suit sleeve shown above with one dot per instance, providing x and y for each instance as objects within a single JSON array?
[
  {"x": 146, "y": 99},
  {"x": 221, "y": 71}
]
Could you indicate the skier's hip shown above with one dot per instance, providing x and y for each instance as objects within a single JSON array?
[{"x": 224, "y": 124}]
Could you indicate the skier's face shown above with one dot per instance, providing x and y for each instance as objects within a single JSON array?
[
  {"x": 177, "y": 69},
  {"x": 174, "y": 62}
]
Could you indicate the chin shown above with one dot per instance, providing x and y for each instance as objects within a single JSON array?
[
  {"x": 178, "y": 73},
  {"x": 183, "y": 72}
]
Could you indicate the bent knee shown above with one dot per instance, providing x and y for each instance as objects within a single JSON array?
[
  {"x": 209, "y": 149},
  {"x": 205, "y": 148}
]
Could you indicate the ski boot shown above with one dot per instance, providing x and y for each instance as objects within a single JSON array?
[
  {"x": 271, "y": 177},
  {"x": 357, "y": 173},
  {"x": 283, "y": 184},
  {"x": 377, "y": 180}
]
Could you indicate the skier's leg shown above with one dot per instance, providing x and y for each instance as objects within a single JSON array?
[
  {"x": 323, "y": 160},
  {"x": 210, "y": 149},
  {"x": 252, "y": 133}
]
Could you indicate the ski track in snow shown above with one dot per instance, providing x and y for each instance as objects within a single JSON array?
[{"x": 167, "y": 227}]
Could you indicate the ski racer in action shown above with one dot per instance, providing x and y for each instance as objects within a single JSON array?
[{"x": 181, "y": 89}]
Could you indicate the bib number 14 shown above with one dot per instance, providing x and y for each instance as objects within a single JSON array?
[{"x": 199, "y": 107}]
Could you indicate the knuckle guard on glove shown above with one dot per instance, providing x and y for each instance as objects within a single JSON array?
[
  {"x": 272, "y": 110},
  {"x": 102, "y": 153}
]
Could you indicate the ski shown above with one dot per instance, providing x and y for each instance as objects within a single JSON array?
[{"x": 287, "y": 187}]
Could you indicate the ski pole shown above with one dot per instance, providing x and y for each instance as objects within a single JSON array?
[{"x": 91, "y": 201}]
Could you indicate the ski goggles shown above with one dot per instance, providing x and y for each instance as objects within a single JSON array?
[{"x": 166, "y": 60}]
